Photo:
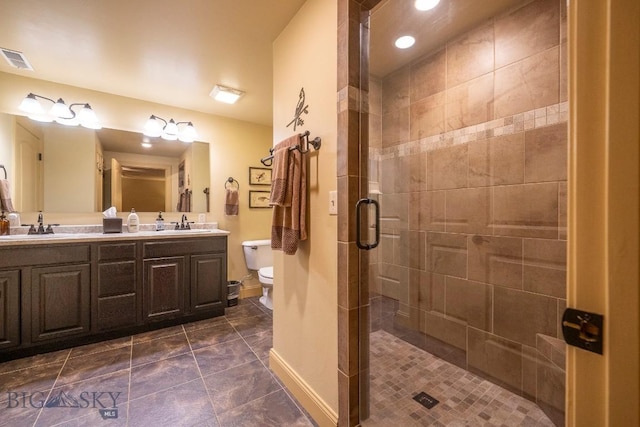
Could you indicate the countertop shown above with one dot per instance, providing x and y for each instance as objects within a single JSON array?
[{"x": 71, "y": 234}]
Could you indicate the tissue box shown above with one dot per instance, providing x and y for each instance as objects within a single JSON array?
[{"x": 112, "y": 225}]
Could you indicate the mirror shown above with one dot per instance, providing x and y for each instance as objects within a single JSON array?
[{"x": 72, "y": 169}]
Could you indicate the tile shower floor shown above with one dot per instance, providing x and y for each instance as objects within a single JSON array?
[
  {"x": 208, "y": 373},
  {"x": 400, "y": 370}
]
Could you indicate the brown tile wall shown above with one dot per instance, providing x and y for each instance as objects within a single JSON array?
[{"x": 468, "y": 147}]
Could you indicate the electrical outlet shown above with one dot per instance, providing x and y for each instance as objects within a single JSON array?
[
  {"x": 202, "y": 218},
  {"x": 333, "y": 203}
]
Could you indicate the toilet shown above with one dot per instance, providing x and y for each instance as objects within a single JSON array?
[{"x": 259, "y": 257}]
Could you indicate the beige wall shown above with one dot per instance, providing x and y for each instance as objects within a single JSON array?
[
  {"x": 69, "y": 169},
  {"x": 169, "y": 164},
  {"x": 6, "y": 143},
  {"x": 305, "y": 288},
  {"x": 234, "y": 146}
]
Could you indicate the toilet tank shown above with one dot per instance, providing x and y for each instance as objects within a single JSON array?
[{"x": 257, "y": 254}]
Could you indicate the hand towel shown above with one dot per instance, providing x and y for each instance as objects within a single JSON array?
[
  {"x": 231, "y": 202},
  {"x": 289, "y": 217},
  {"x": 280, "y": 185},
  {"x": 184, "y": 201},
  {"x": 5, "y": 196}
]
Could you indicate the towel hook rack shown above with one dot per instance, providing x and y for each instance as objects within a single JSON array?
[
  {"x": 316, "y": 143},
  {"x": 5, "y": 171},
  {"x": 231, "y": 180}
]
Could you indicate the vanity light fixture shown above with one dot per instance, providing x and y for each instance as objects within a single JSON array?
[
  {"x": 226, "y": 94},
  {"x": 170, "y": 130},
  {"x": 405, "y": 42},
  {"x": 60, "y": 112},
  {"x": 426, "y": 4}
]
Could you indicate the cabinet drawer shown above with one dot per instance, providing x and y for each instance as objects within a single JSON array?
[
  {"x": 117, "y": 251},
  {"x": 44, "y": 255},
  {"x": 184, "y": 246},
  {"x": 115, "y": 278},
  {"x": 117, "y": 311}
]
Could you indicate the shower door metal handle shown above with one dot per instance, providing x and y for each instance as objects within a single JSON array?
[{"x": 359, "y": 243}]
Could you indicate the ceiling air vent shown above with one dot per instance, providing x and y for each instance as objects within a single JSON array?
[{"x": 16, "y": 59}]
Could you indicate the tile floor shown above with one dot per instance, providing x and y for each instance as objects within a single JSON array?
[
  {"x": 400, "y": 371},
  {"x": 208, "y": 373}
]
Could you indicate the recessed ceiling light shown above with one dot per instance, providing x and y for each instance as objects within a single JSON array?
[
  {"x": 226, "y": 94},
  {"x": 426, "y": 4},
  {"x": 405, "y": 42},
  {"x": 147, "y": 145}
]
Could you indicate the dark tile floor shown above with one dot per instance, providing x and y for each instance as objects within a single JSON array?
[{"x": 208, "y": 373}]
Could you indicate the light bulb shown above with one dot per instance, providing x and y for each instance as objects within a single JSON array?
[
  {"x": 152, "y": 127},
  {"x": 405, "y": 42},
  {"x": 426, "y": 4}
]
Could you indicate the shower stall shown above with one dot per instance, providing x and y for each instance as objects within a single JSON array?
[{"x": 467, "y": 158}]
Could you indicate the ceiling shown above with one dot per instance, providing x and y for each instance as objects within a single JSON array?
[
  {"x": 164, "y": 51},
  {"x": 174, "y": 52},
  {"x": 432, "y": 29}
]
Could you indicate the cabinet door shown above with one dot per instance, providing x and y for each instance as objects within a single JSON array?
[
  {"x": 117, "y": 297},
  {"x": 163, "y": 288},
  {"x": 9, "y": 308},
  {"x": 208, "y": 282},
  {"x": 60, "y": 301}
]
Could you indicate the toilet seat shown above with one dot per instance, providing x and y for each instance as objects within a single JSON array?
[{"x": 265, "y": 275}]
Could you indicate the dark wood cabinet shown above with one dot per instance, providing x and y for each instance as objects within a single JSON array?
[
  {"x": 208, "y": 282},
  {"x": 9, "y": 309},
  {"x": 60, "y": 301},
  {"x": 58, "y": 295},
  {"x": 164, "y": 280}
]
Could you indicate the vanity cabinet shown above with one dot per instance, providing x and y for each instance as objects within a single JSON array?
[
  {"x": 57, "y": 295},
  {"x": 9, "y": 308},
  {"x": 184, "y": 278}
]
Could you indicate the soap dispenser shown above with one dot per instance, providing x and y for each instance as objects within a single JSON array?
[
  {"x": 4, "y": 225},
  {"x": 133, "y": 222},
  {"x": 159, "y": 222}
]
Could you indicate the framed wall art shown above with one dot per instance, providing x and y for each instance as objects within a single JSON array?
[
  {"x": 259, "y": 199},
  {"x": 259, "y": 176}
]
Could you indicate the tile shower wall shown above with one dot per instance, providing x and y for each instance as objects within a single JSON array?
[{"x": 468, "y": 148}]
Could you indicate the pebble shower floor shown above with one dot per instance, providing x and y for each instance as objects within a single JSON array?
[{"x": 400, "y": 370}]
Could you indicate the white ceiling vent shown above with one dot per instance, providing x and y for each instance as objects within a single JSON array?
[{"x": 16, "y": 59}]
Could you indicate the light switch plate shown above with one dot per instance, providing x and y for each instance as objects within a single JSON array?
[{"x": 333, "y": 203}]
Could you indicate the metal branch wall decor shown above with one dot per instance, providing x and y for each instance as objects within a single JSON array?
[{"x": 301, "y": 109}]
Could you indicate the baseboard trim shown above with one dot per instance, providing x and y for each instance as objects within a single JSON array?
[
  {"x": 309, "y": 399},
  {"x": 248, "y": 292}
]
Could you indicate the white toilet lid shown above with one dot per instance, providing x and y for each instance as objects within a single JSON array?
[{"x": 266, "y": 272}]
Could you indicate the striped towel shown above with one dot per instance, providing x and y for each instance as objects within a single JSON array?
[{"x": 288, "y": 197}]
